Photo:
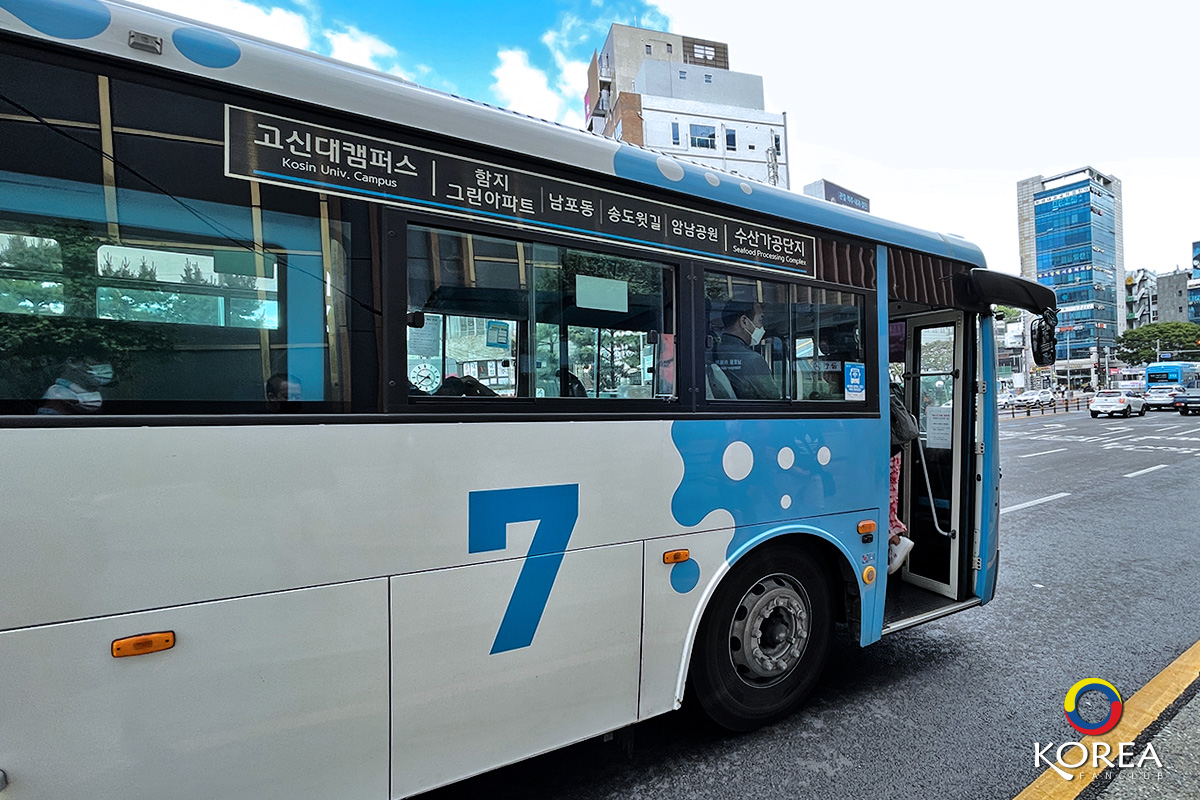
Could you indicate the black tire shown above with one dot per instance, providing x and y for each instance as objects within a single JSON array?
[
  {"x": 1095, "y": 414},
  {"x": 1128, "y": 411},
  {"x": 782, "y": 596},
  {"x": 1142, "y": 413}
]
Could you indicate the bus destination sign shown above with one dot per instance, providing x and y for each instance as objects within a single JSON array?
[{"x": 278, "y": 150}]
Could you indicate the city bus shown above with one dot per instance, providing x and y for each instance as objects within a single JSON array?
[
  {"x": 361, "y": 438},
  {"x": 1172, "y": 373}
]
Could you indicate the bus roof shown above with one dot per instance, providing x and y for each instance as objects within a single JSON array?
[{"x": 189, "y": 47}]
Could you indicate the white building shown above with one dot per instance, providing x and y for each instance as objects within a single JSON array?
[
  {"x": 677, "y": 95},
  {"x": 1141, "y": 298}
]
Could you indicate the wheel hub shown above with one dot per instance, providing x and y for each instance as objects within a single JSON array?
[{"x": 770, "y": 630}]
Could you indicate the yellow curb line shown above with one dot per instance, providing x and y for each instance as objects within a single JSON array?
[{"x": 1139, "y": 712}]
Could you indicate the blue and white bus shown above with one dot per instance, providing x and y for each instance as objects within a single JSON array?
[
  {"x": 1172, "y": 373},
  {"x": 360, "y": 438}
]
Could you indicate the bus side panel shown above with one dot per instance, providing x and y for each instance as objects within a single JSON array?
[
  {"x": 204, "y": 513},
  {"x": 471, "y": 690},
  {"x": 276, "y": 696},
  {"x": 987, "y": 510}
]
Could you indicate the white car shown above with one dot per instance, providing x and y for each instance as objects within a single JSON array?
[
  {"x": 1117, "y": 401},
  {"x": 1162, "y": 397},
  {"x": 1035, "y": 398}
]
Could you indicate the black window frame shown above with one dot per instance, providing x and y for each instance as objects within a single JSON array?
[{"x": 398, "y": 221}]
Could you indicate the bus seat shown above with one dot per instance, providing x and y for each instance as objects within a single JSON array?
[{"x": 716, "y": 385}]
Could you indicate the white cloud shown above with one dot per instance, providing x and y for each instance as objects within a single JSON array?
[
  {"x": 523, "y": 87},
  {"x": 356, "y": 47},
  {"x": 302, "y": 29},
  {"x": 274, "y": 24}
]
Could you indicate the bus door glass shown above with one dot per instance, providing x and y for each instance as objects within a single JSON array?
[{"x": 934, "y": 479}]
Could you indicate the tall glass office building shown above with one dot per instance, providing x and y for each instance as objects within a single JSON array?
[{"x": 1071, "y": 240}]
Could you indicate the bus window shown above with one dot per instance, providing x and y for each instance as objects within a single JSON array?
[
  {"x": 470, "y": 292},
  {"x": 191, "y": 290},
  {"x": 602, "y": 324},
  {"x": 829, "y": 354},
  {"x": 596, "y": 326},
  {"x": 748, "y": 323}
]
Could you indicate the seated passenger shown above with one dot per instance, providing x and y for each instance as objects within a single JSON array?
[
  {"x": 77, "y": 389},
  {"x": 283, "y": 392},
  {"x": 747, "y": 371},
  {"x": 466, "y": 386}
]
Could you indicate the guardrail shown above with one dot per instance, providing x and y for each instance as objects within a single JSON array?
[{"x": 1064, "y": 405}]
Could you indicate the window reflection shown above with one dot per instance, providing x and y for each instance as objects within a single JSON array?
[{"x": 534, "y": 320}]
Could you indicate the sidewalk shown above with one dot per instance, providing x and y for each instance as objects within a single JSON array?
[{"x": 1176, "y": 738}]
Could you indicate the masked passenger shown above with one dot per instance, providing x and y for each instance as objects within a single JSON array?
[
  {"x": 77, "y": 388},
  {"x": 746, "y": 369}
]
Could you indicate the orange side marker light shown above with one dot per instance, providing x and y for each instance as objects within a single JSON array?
[
  {"x": 676, "y": 556},
  {"x": 142, "y": 644},
  {"x": 866, "y": 526}
]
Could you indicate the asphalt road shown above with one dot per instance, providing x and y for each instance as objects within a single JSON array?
[{"x": 1099, "y": 581}]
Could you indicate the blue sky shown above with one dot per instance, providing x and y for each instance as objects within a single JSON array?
[
  {"x": 933, "y": 109},
  {"x": 531, "y": 56}
]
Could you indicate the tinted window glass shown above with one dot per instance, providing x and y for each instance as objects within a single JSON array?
[
  {"x": 493, "y": 317},
  {"x": 748, "y": 328},
  {"x": 154, "y": 284}
]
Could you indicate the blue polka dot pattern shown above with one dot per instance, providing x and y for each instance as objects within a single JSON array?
[
  {"x": 684, "y": 576},
  {"x": 62, "y": 19},
  {"x": 748, "y": 467},
  {"x": 206, "y": 48}
]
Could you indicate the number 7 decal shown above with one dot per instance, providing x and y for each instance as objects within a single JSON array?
[{"x": 556, "y": 509}]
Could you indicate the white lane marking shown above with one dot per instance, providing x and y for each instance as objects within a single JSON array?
[
  {"x": 1118, "y": 429},
  {"x": 1043, "y": 453},
  {"x": 1019, "y": 506},
  {"x": 1168, "y": 427},
  {"x": 1119, "y": 438},
  {"x": 1144, "y": 471}
]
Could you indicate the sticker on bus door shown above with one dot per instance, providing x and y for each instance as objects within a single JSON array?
[{"x": 856, "y": 381}]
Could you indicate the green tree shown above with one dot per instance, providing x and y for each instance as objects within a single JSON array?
[
  {"x": 1008, "y": 313},
  {"x": 1142, "y": 345},
  {"x": 56, "y": 315},
  {"x": 30, "y": 253}
]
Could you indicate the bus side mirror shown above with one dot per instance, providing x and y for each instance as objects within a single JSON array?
[{"x": 1042, "y": 342}]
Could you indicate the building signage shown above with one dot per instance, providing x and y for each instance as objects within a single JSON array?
[
  {"x": 845, "y": 197},
  {"x": 836, "y": 194},
  {"x": 278, "y": 150},
  {"x": 1052, "y": 198}
]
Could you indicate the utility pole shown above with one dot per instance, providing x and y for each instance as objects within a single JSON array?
[{"x": 772, "y": 161}]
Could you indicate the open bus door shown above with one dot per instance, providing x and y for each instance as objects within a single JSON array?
[
  {"x": 934, "y": 482},
  {"x": 948, "y": 495}
]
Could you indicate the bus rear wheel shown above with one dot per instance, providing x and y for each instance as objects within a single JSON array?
[{"x": 764, "y": 639}]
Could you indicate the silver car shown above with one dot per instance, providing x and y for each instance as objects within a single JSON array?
[
  {"x": 1159, "y": 398},
  {"x": 1117, "y": 401}
]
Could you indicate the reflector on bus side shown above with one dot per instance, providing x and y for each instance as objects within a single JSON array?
[{"x": 143, "y": 643}]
